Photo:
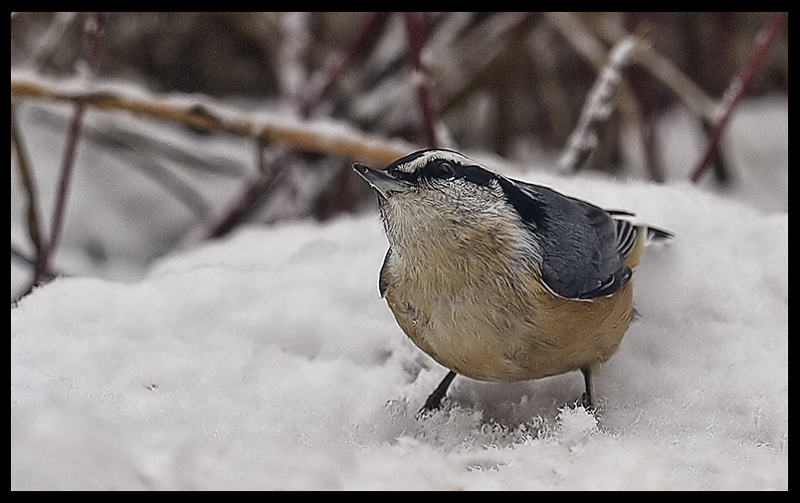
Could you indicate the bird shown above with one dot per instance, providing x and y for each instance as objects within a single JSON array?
[{"x": 501, "y": 280}]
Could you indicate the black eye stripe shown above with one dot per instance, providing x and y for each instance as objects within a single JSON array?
[
  {"x": 476, "y": 175},
  {"x": 403, "y": 175},
  {"x": 443, "y": 169}
]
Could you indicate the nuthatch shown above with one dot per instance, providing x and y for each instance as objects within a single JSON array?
[{"x": 502, "y": 280}]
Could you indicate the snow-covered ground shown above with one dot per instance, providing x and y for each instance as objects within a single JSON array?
[{"x": 267, "y": 360}]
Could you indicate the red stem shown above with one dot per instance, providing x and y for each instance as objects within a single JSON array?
[
  {"x": 370, "y": 26},
  {"x": 93, "y": 29},
  {"x": 739, "y": 86},
  {"x": 256, "y": 189}
]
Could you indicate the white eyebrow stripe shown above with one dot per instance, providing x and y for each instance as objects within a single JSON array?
[{"x": 424, "y": 159}]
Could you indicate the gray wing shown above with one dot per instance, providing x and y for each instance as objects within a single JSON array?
[{"x": 583, "y": 248}]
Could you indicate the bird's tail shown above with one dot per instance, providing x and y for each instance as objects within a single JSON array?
[
  {"x": 633, "y": 238},
  {"x": 656, "y": 235},
  {"x": 645, "y": 236}
]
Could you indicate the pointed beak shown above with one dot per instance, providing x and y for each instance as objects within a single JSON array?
[{"x": 381, "y": 181}]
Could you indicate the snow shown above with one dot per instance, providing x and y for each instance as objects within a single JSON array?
[{"x": 267, "y": 360}]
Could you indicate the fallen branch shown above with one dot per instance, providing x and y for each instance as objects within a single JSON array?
[{"x": 324, "y": 138}]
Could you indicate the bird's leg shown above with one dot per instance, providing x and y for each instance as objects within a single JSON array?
[
  {"x": 435, "y": 400},
  {"x": 586, "y": 397}
]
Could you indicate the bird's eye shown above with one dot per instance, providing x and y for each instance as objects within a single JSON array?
[{"x": 444, "y": 170}]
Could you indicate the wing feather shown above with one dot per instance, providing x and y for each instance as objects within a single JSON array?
[{"x": 583, "y": 246}]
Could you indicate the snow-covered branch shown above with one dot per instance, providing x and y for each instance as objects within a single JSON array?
[
  {"x": 598, "y": 107},
  {"x": 204, "y": 114},
  {"x": 661, "y": 68}
]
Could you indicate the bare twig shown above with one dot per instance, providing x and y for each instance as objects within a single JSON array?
[
  {"x": 18, "y": 254},
  {"x": 371, "y": 24},
  {"x": 593, "y": 51},
  {"x": 271, "y": 171},
  {"x": 33, "y": 263},
  {"x": 473, "y": 61},
  {"x": 415, "y": 34},
  {"x": 67, "y": 169},
  {"x": 93, "y": 28},
  {"x": 739, "y": 86},
  {"x": 26, "y": 173},
  {"x": 272, "y": 168},
  {"x": 254, "y": 189},
  {"x": 148, "y": 153},
  {"x": 661, "y": 68},
  {"x": 598, "y": 107},
  {"x": 333, "y": 139},
  {"x": 28, "y": 183},
  {"x": 294, "y": 41}
]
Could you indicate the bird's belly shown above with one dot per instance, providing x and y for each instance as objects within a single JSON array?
[{"x": 548, "y": 335}]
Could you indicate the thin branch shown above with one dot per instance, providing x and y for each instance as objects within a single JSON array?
[
  {"x": 593, "y": 51},
  {"x": 415, "y": 34},
  {"x": 116, "y": 136},
  {"x": 739, "y": 86},
  {"x": 65, "y": 181},
  {"x": 254, "y": 189},
  {"x": 662, "y": 69},
  {"x": 270, "y": 172},
  {"x": 328, "y": 138},
  {"x": 369, "y": 27},
  {"x": 94, "y": 26},
  {"x": 146, "y": 152},
  {"x": 33, "y": 263},
  {"x": 18, "y": 254},
  {"x": 475, "y": 59},
  {"x": 26, "y": 174},
  {"x": 598, "y": 107}
]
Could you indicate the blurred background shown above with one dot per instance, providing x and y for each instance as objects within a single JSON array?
[{"x": 511, "y": 85}]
